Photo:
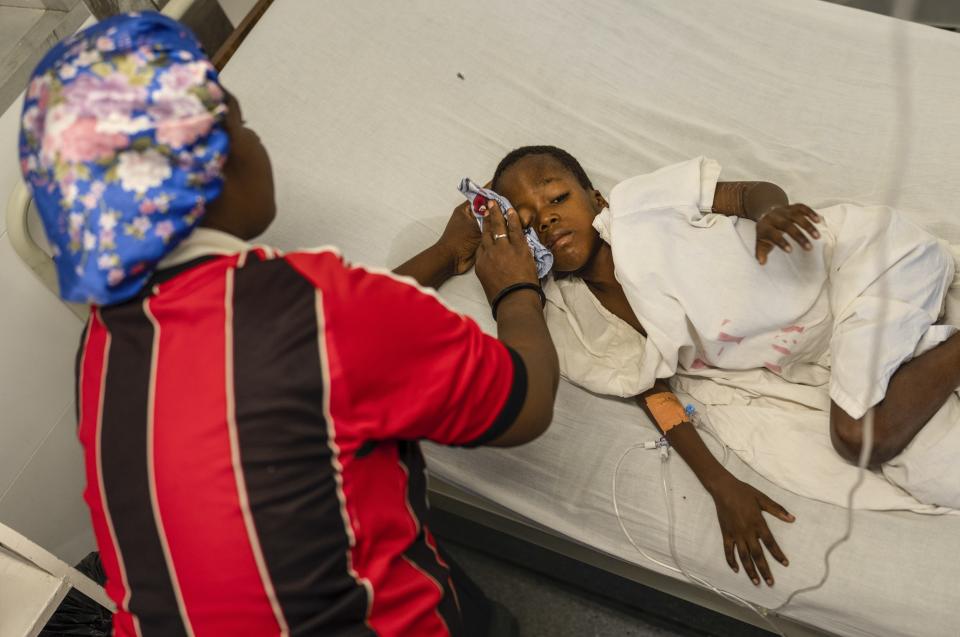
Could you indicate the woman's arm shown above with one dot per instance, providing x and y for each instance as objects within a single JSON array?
[
  {"x": 739, "y": 505},
  {"x": 768, "y": 206},
  {"x": 504, "y": 259},
  {"x": 501, "y": 263}
]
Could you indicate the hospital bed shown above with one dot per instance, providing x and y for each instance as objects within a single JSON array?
[{"x": 374, "y": 111}]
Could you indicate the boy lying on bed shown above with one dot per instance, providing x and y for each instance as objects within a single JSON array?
[{"x": 692, "y": 265}]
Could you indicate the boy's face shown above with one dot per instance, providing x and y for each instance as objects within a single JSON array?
[{"x": 550, "y": 199}]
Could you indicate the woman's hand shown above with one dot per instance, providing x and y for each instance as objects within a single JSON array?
[
  {"x": 461, "y": 238},
  {"x": 790, "y": 220},
  {"x": 504, "y": 257},
  {"x": 739, "y": 509}
]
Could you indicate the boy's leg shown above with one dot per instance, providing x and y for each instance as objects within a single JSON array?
[{"x": 916, "y": 391}]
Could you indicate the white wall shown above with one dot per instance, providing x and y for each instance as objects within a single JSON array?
[
  {"x": 41, "y": 465},
  {"x": 237, "y": 10}
]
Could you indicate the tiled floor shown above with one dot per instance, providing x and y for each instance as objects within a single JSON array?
[{"x": 546, "y": 608}]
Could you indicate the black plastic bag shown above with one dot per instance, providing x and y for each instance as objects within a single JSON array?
[{"x": 78, "y": 615}]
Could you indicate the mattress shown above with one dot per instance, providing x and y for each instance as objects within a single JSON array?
[{"x": 374, "y": 111}]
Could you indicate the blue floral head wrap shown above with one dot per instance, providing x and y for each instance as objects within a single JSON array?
[{"x": 122, "y": 144}]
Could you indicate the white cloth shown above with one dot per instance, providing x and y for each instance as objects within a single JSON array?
[
  {"x": 872, "y": 286},
  {"x": 672, "y": 259},
  {"x": 204, "y": 242},
  {"x": 760, "y": 353},
  {"x": 779, "y": 428}
]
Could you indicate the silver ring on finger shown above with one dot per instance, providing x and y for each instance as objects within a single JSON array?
[{"x": 498, "y": 236}]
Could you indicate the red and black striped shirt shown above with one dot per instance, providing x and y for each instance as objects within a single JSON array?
[{"x": 249, "y": 427}]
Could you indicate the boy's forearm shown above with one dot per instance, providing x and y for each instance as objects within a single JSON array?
[
  {"x": 686, "y": 441},
  {"x": 431, "y": 268},
  {"x": 747, "y": 199},
  {"x": 762, "y": 198}
]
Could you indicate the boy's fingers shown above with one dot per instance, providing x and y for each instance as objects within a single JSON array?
[
  {"x": 763, "y": 249},
  {"x": 747, "y": 562},
  {"x": 781, "y": 241},
  {"x": 767, "y": 537},
  {"x": 805, "y": 223},
  {"x": 798, "y": 236},
  {"x": 809, "y": 212},
  {"x": 772, "y": 238},
  {"x": 728, "y": 552},
  {"x": 756, "y": 552},
  {"x": 466, "y": 210},
  {"x": 775, "y": 509}
]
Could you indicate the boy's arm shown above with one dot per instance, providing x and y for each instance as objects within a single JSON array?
[
  {"x": 739, "y": 505},
  {"x": 430, "y": 268},
  {"x": 768, "y": 206},
  {"x": 452, "y": 254},
  {"x": 747, "y": 199}
]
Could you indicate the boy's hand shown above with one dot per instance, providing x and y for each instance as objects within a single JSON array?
[
  {"x": 461, "y": 238},
  {"x": 739, "y": 509},
  {"x": 785, "y": 220}
]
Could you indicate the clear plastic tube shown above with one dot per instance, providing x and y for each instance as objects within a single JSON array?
[
  {"x": 665, "y": 481},
  {"x": 767, "y": 615}
]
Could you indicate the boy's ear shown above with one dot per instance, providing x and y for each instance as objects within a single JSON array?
[{"x": 599, "y": 201}]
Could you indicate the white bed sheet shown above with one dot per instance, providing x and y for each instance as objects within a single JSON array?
[{"x": 371, "y": 129}]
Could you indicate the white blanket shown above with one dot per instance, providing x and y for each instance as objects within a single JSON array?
[
  {"x": 799, "y": 92},
  {"x": 767, "y": 347}
]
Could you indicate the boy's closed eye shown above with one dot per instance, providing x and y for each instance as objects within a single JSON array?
[{"x": 560, "y": 198}]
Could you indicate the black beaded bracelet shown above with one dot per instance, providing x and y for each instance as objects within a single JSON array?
[{"x": 502, "y": 294}]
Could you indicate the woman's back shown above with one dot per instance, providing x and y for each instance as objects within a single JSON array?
[{"x": 247, "y": 463}]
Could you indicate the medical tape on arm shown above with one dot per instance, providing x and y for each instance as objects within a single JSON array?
[{"x": 666, "y": 410}]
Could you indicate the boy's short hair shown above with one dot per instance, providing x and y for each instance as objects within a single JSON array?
[{"x": 569, "y": 162}]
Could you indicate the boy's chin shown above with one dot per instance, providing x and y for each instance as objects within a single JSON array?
[
  {"x": 574, "y": 259},
  {"x": 566, "y": 268}
]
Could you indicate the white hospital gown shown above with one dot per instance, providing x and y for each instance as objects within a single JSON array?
[
  {"x": 862, "y": 302},
  {"x": 754, "y": 344}
]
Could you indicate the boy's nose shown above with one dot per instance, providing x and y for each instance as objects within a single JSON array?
[{"x": 545, "y": 221}]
